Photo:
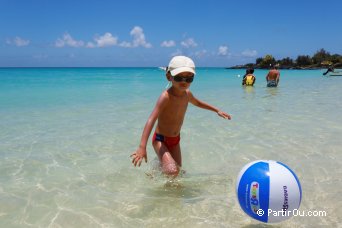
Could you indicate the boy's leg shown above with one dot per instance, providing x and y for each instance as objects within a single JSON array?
[
  {"x": 168, "y": 164},
  {"x": 177, "y": 155}
]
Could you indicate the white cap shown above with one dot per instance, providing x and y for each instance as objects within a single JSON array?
[{"x": 179, "y": 64}]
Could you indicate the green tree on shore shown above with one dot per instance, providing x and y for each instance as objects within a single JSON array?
[
  {"x": 285, "y": 62},
  {"x": 335, "y": 59},
  {"x": 267, "y": 61},
  {"x": 320, "y": 56},
  {"x": 320, "y": 59},
  {"x": 303, "y": 60}
]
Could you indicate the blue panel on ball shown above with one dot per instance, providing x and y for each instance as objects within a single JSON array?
[{"x": 253, "y": 190}]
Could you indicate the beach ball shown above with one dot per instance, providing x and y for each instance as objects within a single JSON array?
[{"x": 268, "y": 191}]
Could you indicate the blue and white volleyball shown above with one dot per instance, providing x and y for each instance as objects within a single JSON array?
[{"x": 268, "y": 191}]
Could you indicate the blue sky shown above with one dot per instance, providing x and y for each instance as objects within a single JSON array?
[{"x": 104, "y": 33}]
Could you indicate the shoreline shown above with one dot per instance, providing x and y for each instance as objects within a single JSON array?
[
  {"x": 280, "y": 68},
  {"x": 287, "y": 67}
]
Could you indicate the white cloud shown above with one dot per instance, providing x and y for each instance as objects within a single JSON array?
[
  {"x": 200, "y": 54},
  {"x": 168, "y": 43},
  {"x": 67, "y": 40},
  {"x": 190, "y": 42},
  {"x": 106, "y": 40},
  {"x": 103, "y": 41},
  {"x": 90, "y": 45},
  {"x": 17, "y": 41},
  {"x": 177, "y": 52},
  {"x": 249, "y": 53},
  {"x": 223, "y": 50},
  {"x": 138, "y": 39},
  {"x": 125, "y": 44}
]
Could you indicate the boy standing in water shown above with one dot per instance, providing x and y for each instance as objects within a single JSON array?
[
  {"x": 170, "y": 111},
  {"x": 273, "y": 76}
]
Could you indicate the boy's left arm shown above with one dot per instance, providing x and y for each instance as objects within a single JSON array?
[{"x": 193, "y": 100}]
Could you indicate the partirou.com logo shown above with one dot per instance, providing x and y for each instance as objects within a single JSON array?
[{"x": 295, "y": 212}]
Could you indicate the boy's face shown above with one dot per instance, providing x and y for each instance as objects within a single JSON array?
[{"x": 182, "y": 80}]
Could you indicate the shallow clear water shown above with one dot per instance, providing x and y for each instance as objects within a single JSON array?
[{"x": 66, "y": 135}]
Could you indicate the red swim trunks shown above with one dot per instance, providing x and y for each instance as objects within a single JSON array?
[{"x": 170, "y": 142}]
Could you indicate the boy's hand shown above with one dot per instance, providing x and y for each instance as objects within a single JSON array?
[
  {"x": 138, "y": 156},
  {"x": 224, "y": 115}
]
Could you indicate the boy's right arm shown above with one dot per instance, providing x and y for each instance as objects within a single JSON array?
[
  {"x": 141, "y": 153},
  {"x": 278, "y": 76}
]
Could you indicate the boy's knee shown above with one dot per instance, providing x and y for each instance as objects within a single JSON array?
[{"x": 171, "y": 170}]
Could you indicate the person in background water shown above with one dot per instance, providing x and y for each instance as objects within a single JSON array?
[
  {"x": 330, "y": 69},
  {"x": 170, "y": 111},
  {"x": 249, "y": 78},
  {"x": 273, "y": 76}
]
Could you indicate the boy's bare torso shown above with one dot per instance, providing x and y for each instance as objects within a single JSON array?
[
  {"x": 272, "y": 75},
  {"x": 171, "y": 118}
]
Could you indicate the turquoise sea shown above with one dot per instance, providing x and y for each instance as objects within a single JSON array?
[{"x": 66, "y": 135}]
